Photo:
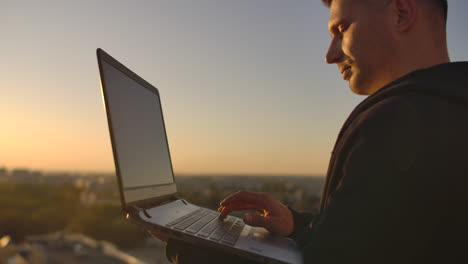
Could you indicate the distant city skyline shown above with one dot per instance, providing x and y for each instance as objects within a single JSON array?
[
  {"x": 5, "y": 170},
  {"x": 244, "y": 86}
]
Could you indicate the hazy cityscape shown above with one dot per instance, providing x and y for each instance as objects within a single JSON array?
[{"x": 52, "y": 217}]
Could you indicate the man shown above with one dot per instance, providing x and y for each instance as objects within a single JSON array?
[{"x": 396, "y": 183}]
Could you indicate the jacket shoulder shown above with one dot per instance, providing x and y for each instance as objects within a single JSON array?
[{"x": 389, "y": 128}]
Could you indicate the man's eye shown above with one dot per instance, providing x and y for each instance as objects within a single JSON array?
[{"x": 342, "y": 28}]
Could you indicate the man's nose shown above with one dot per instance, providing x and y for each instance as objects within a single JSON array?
[{"x": 334, "y": 53}]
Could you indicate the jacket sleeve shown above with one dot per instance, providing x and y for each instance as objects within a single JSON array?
[
  {"x": 302, "y": 221},
  {"x": 367, "y": 216}
]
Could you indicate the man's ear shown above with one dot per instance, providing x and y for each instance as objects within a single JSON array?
[{"x": 404, "y": 14}]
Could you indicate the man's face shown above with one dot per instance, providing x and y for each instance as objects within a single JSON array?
[{"x": 361, "y": 44}]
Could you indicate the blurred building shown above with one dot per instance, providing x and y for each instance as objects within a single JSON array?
[
  {"x": 26, "y": 176},
  {"x": 60, "y": 179},
  {"x": 3, "y": 175}
]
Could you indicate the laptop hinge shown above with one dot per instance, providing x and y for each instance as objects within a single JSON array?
[
  {"x": 176, "y": 197},
  {"x": 173, "y": 197},
  {"x": 142, "y": 207},
  {"x": 139, "y": 209}
]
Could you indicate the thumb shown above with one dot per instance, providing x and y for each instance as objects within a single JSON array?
[{"x": 257, "y": 220}]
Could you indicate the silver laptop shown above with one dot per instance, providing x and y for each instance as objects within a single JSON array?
[{"x": 145, "y": 177}]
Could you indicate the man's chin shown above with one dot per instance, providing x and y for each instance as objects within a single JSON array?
[{"x": 358, "y": 89}]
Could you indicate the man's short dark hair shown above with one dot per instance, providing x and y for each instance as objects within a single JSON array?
[{"x": 442, "y": 4}]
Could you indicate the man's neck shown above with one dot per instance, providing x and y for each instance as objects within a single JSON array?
[
  {"x": 414, "y": 64},
  {"x": 421, "y": 52},
  {"x": 420, "y": 60}
]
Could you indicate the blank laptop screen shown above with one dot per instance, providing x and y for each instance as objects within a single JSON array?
[{"x": 140, "y": 142}]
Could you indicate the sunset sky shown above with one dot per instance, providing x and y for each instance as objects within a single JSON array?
[{"x": 243, "y": 83}]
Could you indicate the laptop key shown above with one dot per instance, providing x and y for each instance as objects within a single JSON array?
[
  {"x": 217, "y": 234},
  {"x": 189, "y": 221},
  {"x": 201, "y": 223},
  {"x": 236, "y": 228},
  {"x": 222, "y": 229},
  {"x": 180, "y": 219},
  {"x": 231, "y": 240},
  {"x": 208, "y": 229},
  {"x": 233, "y": 233}
]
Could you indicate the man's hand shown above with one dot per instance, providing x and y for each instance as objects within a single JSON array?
[{"x": 271, "y": 213}]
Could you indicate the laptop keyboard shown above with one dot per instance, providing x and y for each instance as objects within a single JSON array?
[{"x": 205, "y": 223}]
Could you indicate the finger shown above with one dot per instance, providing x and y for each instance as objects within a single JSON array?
[
  {"x": 241, "y": 206},
  {"x": 257, "y": 220},
  {"x": 240, "y": 196},
  {"x": 225, "y": 210},
  {"x": 259, "y": 199},
  {"x": 224, "y": 213}
]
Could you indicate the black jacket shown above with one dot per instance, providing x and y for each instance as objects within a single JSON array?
[{"x": 397, "y": 184}]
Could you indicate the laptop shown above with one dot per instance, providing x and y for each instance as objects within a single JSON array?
[{"x": 145, "y": 177}]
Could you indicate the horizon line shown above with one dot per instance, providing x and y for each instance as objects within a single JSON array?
[{"x": 177, "y": 174}]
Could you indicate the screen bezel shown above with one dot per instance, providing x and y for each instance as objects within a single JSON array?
[{"x": 152, "y": 191}]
